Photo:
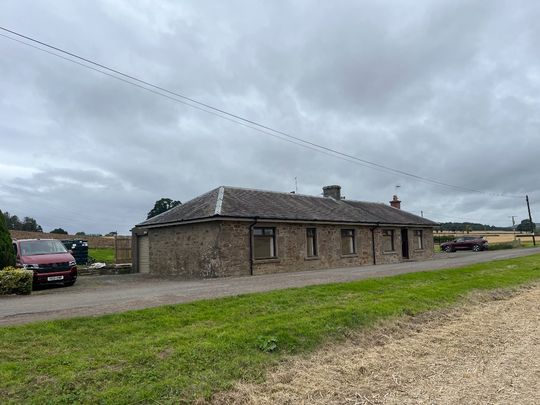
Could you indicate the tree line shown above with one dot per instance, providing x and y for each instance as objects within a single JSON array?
[
  {"x": 14, "y": 223},
  {"x": 26, "y": 224},
  {"x": 524, "y": 226}
]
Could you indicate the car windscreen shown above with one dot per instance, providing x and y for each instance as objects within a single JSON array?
[{"x": 41, "y": 247}]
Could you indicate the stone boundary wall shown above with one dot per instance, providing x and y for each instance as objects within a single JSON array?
[{"x": 93, "y": 241}]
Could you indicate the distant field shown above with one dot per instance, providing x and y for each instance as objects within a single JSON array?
[
  {"x": 105, "y": 255},
  {"x": 493, "y": 236}
]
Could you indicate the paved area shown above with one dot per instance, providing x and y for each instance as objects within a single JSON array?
[{"x": 98, "y": 295}]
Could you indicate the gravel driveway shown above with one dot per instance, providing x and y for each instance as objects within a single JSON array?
[{"x": 96, "y": 295}]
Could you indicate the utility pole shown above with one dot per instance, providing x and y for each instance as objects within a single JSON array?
[
  {"x": 530, "y": 219},
  {"x": 513, "y": 225}
]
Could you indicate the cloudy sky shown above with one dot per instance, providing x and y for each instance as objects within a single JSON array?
[{"x": 447, "y": 90}]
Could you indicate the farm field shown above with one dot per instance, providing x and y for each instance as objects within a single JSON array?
[
  {"x": 493, "y": 236},
  {"x": 104, "y": 255}
]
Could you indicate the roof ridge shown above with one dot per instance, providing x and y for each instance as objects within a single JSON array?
[
  {"x": 179, "y": 206},
  {"x": 219, "y": 200},
  {"x": 277, "y": 192}
]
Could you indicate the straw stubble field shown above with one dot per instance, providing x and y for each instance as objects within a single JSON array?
[{"x": 486, "y": 351}]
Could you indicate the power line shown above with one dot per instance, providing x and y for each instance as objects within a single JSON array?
[{"x": 145, "y": 85}]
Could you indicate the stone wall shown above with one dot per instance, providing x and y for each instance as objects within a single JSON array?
[
  {"x": 221, "y": 248},
  {"x": 93, "y": 241},
  {"x": 188, "y": 251},
  {"x": 427, "y": 245},
  {"x": 383, "y": 257},
  {"x": 292, "y": 249}
]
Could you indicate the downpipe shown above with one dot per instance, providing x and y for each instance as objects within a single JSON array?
[
  {"x": 373, "y": 243},
  {"x": 251, "y": 245}
]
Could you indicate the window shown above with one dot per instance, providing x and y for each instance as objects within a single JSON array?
[
  {"x": 418, "y": 240},
  {"x": 264, "y": 243},
  {"x": 388, "y": 240},
  {"x": 347, "y": 242},
  {"x": 311, "y": 237}
]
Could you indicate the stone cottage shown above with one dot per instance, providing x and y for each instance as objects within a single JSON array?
[{"x": 233, "y": 231}]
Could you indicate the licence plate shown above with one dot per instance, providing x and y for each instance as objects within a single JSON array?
[{"x": 55, "y": 278}]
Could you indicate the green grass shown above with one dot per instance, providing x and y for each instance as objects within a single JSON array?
[
  {"x": 177, "y": 353},
  {"x": 104, "y": 255}
]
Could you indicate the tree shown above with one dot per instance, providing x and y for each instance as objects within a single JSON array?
[
  {"x": 525, "y": 226},
  {"x": 30, "y": 224},
  {"x": 15, "y": 224},
  {"x": 7, "y": 254},
  {"x": 59, "y": 230},
  {"x": 161, "y": 206},
  {"x": 80, "y": 234}
]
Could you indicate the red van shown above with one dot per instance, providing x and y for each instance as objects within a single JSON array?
[{"x": 48, "y": 259}]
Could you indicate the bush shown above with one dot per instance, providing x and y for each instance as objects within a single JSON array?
[
  {"x": 438, "y": 239},
  {"x": 15, "y": 281},
  {"x": 7, "y": 254},
  {"x": 501, "y": 246}
]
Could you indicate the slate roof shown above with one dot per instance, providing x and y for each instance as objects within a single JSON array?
[{"x": 233, "y": 202}]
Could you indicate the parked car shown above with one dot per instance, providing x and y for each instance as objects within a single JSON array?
[
  {"x": 50, "y": 261},
  {"x": 465, "y": 243}
]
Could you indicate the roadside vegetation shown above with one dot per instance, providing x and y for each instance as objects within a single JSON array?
[
  {"x": 103, "y": 255},
  {"x": 180, "y": 353}
]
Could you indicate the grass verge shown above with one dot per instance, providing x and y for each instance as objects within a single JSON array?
[
  {"x": 179, "y": 353},
  {"x": 104, "y": 255}
]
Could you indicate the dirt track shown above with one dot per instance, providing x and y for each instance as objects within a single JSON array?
[{"x": 487, "y": 352}]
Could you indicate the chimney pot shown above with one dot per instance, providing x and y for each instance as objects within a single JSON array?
[
  {"x": 332, "y": 191},
  {"x": 396, "y": 203}
]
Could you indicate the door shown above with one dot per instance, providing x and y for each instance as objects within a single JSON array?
[
  {"x": 405, "y": 243},
  {"x": 143, "y": 251}
]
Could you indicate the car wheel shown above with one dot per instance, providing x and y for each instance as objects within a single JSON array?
[
  {"x": 447, "y": 249},
  {"x": 476, "y": 248}
]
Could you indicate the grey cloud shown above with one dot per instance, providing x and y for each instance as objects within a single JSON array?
[{"x": 446, "y": 90}]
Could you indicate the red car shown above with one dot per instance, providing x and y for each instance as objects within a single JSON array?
[
  {"x": 48, "y": 259},
  {"x": 473, "y": 243}
]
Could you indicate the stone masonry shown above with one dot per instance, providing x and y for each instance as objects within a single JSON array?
[{"x": 222, "y": 248}]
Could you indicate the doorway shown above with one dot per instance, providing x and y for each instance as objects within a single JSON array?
[{"x": 405, "y": 243}]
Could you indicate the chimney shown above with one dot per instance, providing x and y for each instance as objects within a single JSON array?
[
  {"x": 395, "y": 202},
  {"x": 332, "y": 191}
]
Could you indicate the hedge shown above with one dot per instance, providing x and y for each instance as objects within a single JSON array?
[
  {"x": 7, "y": 254},
  {"x": 438, "y": 239},
  {"x": 15, "y": 281},
  {"x": 503, "y": 245}
]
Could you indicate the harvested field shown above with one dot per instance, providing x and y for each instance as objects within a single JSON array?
[
  {"x": 492, "y": 236},
  {"x": 486, "y": 351}
]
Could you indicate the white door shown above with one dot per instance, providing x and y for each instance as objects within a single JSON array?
[{"x": 143, "y": 250}]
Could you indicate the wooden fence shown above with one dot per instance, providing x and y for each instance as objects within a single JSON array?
[
  {"x": 93, "y": 241},
  {"x": 122, "y": 249}
]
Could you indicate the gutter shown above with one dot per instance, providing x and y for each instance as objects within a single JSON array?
[
  {"x": 251, "y": 245},
  {"x": 373, "y": 243},
  {"x": 293, "y": 221}
]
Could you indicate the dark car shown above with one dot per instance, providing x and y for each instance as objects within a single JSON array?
[
  {"x": 473, "y": 243},
  {"x": 48, "y": 259}
]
